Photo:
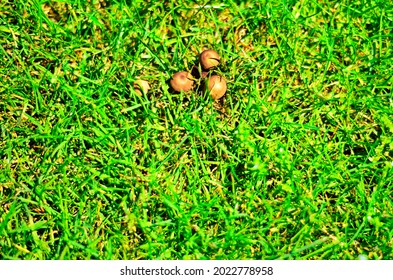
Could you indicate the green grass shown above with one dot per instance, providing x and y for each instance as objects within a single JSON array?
[{"x": 296, "y": 162}]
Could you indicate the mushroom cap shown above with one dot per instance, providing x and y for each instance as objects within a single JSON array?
[
  {"x": 182, "y": 81},
  {"x": 141, "y": 86},
  {"x": 217, "y": 86},
  {"x": 209, "y": 59}
]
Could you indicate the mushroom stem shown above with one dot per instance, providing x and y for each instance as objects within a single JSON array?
[{"x": 141, "y": 86}]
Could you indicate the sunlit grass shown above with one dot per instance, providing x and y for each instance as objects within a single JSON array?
[{"x": 296, "y": 162}]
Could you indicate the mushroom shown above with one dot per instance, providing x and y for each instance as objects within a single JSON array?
[
  {"x": 182, "y": 81},
  {"x": 217, "y": 86},
  {"x": 209, "y": 59},
  {"x": 141, "y": 86}
]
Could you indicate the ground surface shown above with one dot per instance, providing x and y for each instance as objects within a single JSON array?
[{"x": 296, "y": 162}]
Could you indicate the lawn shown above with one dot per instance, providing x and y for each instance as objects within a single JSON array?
[{"x": 294, "y": 162}]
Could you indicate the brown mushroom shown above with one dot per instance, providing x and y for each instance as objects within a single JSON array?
[
  {"x": 217, "y": 86},
  {"x": 182, "y": 81},
  {"x": 141, "y": 86},
  {"x": 209, "y": 59}
]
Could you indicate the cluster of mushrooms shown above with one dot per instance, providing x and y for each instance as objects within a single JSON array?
[
  {"x": 217, "y": 86},
  {"x": 185, "y": 81}
]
